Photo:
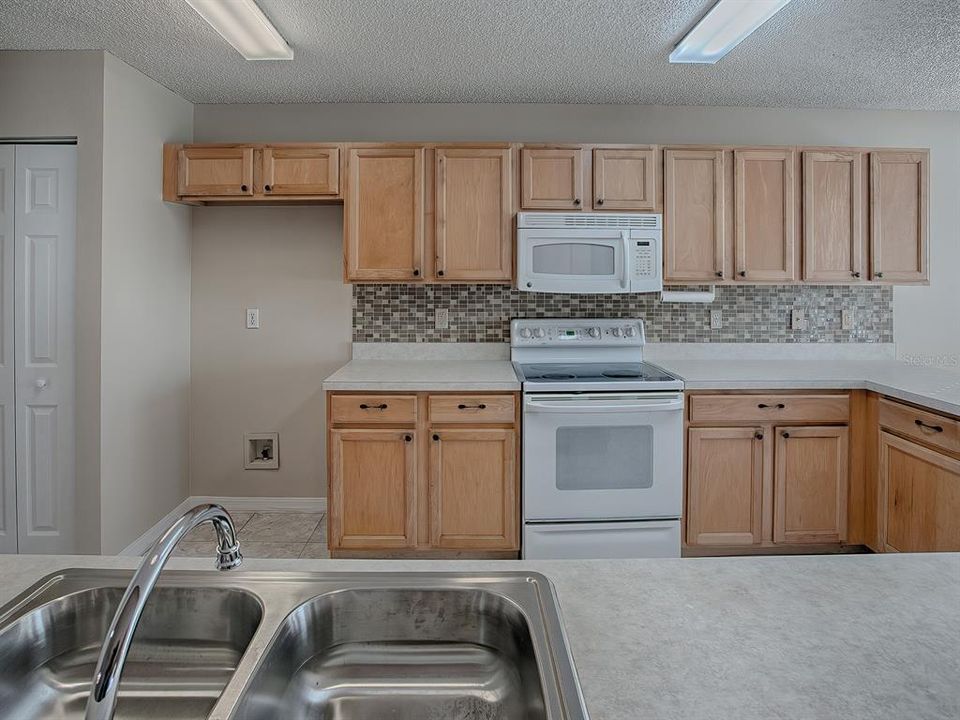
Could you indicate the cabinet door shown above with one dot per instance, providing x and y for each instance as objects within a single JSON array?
[
  {"x": 694, "y": 241},
  {"x": 372, "y": 489},
  {"x": 304, "y": 170},
  {"x": 624, "y": 179},
  {"x": 383, "y": 214},
  {"x": 724, "y": 486},
  {"x": 552, "y": 178},
  {"x": 765, "y": 215},
  {"x": 919, "y": 498},
  {"x": 206, "y": 171},
  {"x": 473, "y": 489},
  {"x": 474, "y": 234},
  {"x": 810, "y": 485},
  {"x": 833, "y": 216},
  {"x": 898, "y": 216}
]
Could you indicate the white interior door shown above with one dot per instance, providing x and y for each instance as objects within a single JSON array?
[
  {"x": 44, "y": 286},
  {"x": 8, "y": 445}
]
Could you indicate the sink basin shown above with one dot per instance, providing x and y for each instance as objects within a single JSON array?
[
  {"x": 186, "y": 648},
  {"x": 406, "y": 654}
]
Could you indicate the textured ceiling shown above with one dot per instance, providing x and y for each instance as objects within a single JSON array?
[{"x": 814, "y": 53}]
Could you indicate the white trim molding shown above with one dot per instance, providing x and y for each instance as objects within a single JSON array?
[{"x": 233, "y": 504}]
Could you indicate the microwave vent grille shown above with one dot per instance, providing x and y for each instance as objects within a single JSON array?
[{"x": 589, "y": 220}]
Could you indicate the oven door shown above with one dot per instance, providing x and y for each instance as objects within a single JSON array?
[
  {"x": 568, "y": 260},
  {"x": 602, "y": 456}
]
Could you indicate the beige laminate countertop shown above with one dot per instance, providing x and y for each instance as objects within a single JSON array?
[
  {"x": 859, "y": 637},
  {"x": 424, "y": 375}
]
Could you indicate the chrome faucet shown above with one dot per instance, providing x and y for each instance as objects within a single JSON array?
[{"x": 113, "y": 654}]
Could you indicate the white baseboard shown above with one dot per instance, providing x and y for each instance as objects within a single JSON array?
[{"x": 233, "y": 504}]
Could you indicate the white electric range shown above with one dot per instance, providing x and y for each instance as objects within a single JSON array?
[{"x": 602, "y": 441}]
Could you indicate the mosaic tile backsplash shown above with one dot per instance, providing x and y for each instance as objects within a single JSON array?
[{"x": 482, "y": 313}]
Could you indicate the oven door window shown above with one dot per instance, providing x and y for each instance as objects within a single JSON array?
[
  {"x": 574, "y": 258},
  {"x": 605, "y": 458}
]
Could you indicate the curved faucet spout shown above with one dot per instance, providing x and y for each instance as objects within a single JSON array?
[{"x": 106, "y": 679}]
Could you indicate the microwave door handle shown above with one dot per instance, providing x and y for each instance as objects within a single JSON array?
[{"x": 625, "y": 278}]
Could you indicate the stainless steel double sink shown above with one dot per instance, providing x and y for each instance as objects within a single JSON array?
[{"x": 293, "y": 646}]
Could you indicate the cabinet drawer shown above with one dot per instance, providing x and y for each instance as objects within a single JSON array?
[
  {"x": 472, "y": 409},
  {"x": 924, "y": 426},
  {"x": 739, "y": 409},
  {"x": 373, "y": 409}
]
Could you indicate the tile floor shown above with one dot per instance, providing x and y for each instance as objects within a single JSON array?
[{"x": 266, "y": 535}]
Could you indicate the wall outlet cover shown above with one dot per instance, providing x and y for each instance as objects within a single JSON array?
[
  {"x": 261, "y": 451},
  {"x": 798, "y": 319},
  {"x": 716, "y": 319},
  {"x": 441, "y": 319},
  {"x": 253, "y": 318},
  {"x": 847, "y": 319}
]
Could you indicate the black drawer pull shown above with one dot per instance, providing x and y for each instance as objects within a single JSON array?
[
  {"x": 481, "y": 406},
  {"x": 381, "y": 406},
  {"x": 785, "y": 434},
  {"x": 243, "y": 188},
  {"x": 935, "y": 428},
  {"x": 267, "y": 188},
  {"x": 764, "y": 406},
  {"x": 408, "y": 438},
  {"x": 758, "y": 435},
  {"x": 436, "y": 437}
]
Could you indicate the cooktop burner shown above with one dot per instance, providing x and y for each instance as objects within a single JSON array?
[
  {"x": 557, "y": 376},
  {"x": 623, "y": 374}
]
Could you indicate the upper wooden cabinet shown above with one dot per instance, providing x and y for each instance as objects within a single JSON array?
[
  {"x": 694, "y": 209},
  {"x": 208, "y": 171},
  {"x": 625, "y": 178},
  {"x": 301, "y": 170},
  {"x": 834, "y": 216},
  {"x": 474, "y": 213},
  {"x": 765, "y": 215},
  {"x": 551, "y": 178},
  {"x": 898, "y": 216},
  {"x": 383, "y": 214}
]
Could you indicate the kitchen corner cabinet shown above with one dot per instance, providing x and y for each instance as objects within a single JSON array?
[
  {"x": 834, "y": 216},
  {"x": 694, "y": 223},
  {"x": 765, "y": 215},
  {"x": 898, "y": 216},
  {"x": 383, "y": 214},
  {"x": 423, "y": 474}
]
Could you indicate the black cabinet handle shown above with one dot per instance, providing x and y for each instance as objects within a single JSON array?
[
  {"x": 481, "y": 406},
  {"x": 439, "y": 273},
  {"x": 436, "y": 437},
  {"x": 719, "y": 273},
  {"x": 599, "y": 201},
  {"x": 879, "y": 274},
  {"x": 764, "y": 406},
  {"x": 576, "y": 201},
  {"x": 785, "y": 434},
  {"x": 243, "y": 188},
  {"x": 416, "y": 272},
  {"x": 408, "y": 438},
  {"x": 267, "y": 188},
  {"x": 935, "y": 428},
  {"x": 855, "y": 274},
  {"x": 381, "y": 406},
  {"x": 743, "y": 273},
  {"x": 758, "y": 435}
]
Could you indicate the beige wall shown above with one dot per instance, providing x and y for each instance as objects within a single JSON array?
[
  {"x": 227, "y": 384},
  {"x": 145, "y": 336},
  {"x": 60, "y": 94}
]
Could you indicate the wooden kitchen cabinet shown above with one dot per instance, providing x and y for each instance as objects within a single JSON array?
[
  {"x": 625, "y": 178},
  {"x": 724, "y": 486},
  {"x": 301, "y": 170},
  {"x": 473, "y": 489},
  {"x": 209, "y": 171},
  {"x": 810, "y": 485},
  {"x": 474, "y": 214},
  {"x": 765, "y": 215},
  {"x": 834, "y": 216},
  {"x": 551, "y": 178},
  {"x": 898, "y": 216},
  {"x": 383, "y": 214},
  {"x": 372, "y": 501},
  {"x": 694, "y": 210}
]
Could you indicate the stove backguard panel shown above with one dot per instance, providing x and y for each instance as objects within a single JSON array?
[{"x": 482, "y": 313}]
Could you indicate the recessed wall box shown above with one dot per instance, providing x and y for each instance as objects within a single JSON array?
[{"x": 261, "y": 451}]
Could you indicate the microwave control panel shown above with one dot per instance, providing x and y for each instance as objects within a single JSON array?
[{"x": 645, "y": 264}]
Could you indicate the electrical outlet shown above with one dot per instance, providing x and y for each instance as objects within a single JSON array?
[
  {"x": 441, "y": 319},
  {"x": 253, "y": 318},
  {"x": 847, "y": 319},
  {"x": 716, "y": 319},
  {"x": 798, "y": 319}
]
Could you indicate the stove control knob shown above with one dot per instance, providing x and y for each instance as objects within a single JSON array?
[
  {"x": 539, "y": 333},
  {"x": 617, "y": 332},
  {"x": 526, "y": 333},
  {"x": 630, "y": 331},
  {"x": 593, "y": 332}
]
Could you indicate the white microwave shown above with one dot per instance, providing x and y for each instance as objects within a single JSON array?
[{"x": 589, "y": 252}]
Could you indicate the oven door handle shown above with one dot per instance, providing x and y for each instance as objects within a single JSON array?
[{"x": 631, "y": 405}]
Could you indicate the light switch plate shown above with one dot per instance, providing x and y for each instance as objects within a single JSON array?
[
  {"x": 441, "y": 319},
  {"x": 798, "y": 319},
  {"x": 253, "y": 318},
  {"x": 716, "y": 319}
]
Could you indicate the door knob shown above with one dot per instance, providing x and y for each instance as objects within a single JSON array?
[{"x": 40, "y": 383}]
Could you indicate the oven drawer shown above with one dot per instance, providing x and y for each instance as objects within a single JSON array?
[
  {"x": 748, "y": 409},
  {"x": 364, "y": 409},
  {"x": 473, "y": 409},
  {"x": 596, "y": 541},
  {"x": 926, "y": 427}
]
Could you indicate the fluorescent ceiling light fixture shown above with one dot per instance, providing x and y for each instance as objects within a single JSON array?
[
  {"x": 728, "y": 24},
  {"x": 243, "y": 24}
]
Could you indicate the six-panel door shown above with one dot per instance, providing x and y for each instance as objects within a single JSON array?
[
  {"x": 724, "y": 486},
  {"x": 898, "y": 216},
  {"x": 372, "y": 489},
  {"x": 810, "y": 485},
  {"x": 474, "y": 229},
  {"x": 625, "y": 179},
  {"x": 301, "y": 170},
  {"x": 383, "y": 214},
  {"x": 693, "y": 223},
  {"x": 211, "y": 171},
  {"x": 551, "y": 178},
  {"x": 765, "y": 207},
  {"x": 473, "y": 490},
  {"x": 833, "y": 216}
]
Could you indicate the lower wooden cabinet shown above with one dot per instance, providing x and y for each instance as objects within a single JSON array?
[
  {"x": 473, "y": 489},
  {"x": 423, "y": 474}
]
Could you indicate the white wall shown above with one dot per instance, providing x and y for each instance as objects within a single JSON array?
[
  {"x": 230, "y": 366},
  {"x": 60, "y": 94},
  {"x": 145, "y": 362}
]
